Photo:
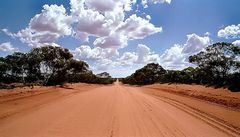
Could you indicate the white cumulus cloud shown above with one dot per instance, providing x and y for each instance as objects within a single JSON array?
[
  {"x": 7, "y": 47},
  {"x": 93, "y": 24},
  {"x": 137, "y": 28},
  {"x": 176, "y": 57},
  {"x": 7, "y": 32},
  {"x": 114, "y": 41},
  {"x": 101, "y": 5},
  {"x": 46, "y": 27},
  {"x": 232, "y": 31},
  {"x": 236, "y": 43},
  {"x": 132, "y": 28},
  {"x": 85, "y": 52},
  {"x": 146, "y": 3},
  {"x": 195, "y": 43},
  {"x": 143, "y": 55},
  {"x": 104, "y": 21},
  {"x": 101, "y": 58}
]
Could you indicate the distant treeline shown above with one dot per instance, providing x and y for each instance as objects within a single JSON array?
[
  {"x": 46, "y": 65},
  {"x": 218, "y": 65}
]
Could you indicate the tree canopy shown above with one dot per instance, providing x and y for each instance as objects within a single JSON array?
[
  {"x": 217, "y": 62},
  {"x": 147, "y": 75},
  {"x": 218, "y": 65},
  {"x": 46, "y": 65}
]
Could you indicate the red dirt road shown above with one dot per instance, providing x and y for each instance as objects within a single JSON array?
[{"x": 115, "y": 111}]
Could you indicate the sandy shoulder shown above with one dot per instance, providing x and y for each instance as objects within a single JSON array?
[
  {"x": 219, "y": 96},
  {"x": 17, "y": 100},
  {"x": 219, "y": 104}
]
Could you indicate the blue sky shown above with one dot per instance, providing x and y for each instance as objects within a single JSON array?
[{"x": 165, "y": 31}]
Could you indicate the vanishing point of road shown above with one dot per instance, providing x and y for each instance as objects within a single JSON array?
[{"x": 112, "y": 111}]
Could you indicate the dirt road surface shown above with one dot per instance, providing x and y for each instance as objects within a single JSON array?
[{"x": 115, "y": 111}]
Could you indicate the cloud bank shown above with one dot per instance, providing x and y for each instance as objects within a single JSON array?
[
  {"x": 232, "y": 31},
  {"x": 106, "y": 23},
  {"x": 7, "y": 47}
]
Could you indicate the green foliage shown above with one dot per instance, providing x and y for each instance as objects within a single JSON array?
[
  {"x": 104, "y": 75},
  {"x": 13, "y": 66},
  {"x": 149, "y": 74},
  {"x": 46, "y": 65},
  {"x": 89, "y": 77},
  {"x": 233, "y": 82},
  {"x": 217, "y": 62},
  {"x": 54, "y": 62},
  {"x": 218, "y": 65}
]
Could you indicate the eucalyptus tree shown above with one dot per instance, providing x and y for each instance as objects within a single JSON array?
[
  {"x": 217, "y": 62},
  {"x": 149, "y": 74},
  {"x": 52, "y": 63}
]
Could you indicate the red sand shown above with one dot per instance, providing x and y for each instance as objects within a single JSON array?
[{"x": 83, "y": 110}]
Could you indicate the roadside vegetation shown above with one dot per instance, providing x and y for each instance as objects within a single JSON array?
[
  {"x": 46, "y": 66},
  {"x": 218, "y": 65}
]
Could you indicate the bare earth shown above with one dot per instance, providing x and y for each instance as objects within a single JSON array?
[{"x": 83, "y": 110}]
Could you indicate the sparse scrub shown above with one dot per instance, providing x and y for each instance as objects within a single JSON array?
[
  {"x": 217, "y": 66},
  {"x": 47, "y": 66}
]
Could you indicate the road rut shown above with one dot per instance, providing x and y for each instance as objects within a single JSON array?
[{"x": 114, "y": 111}]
